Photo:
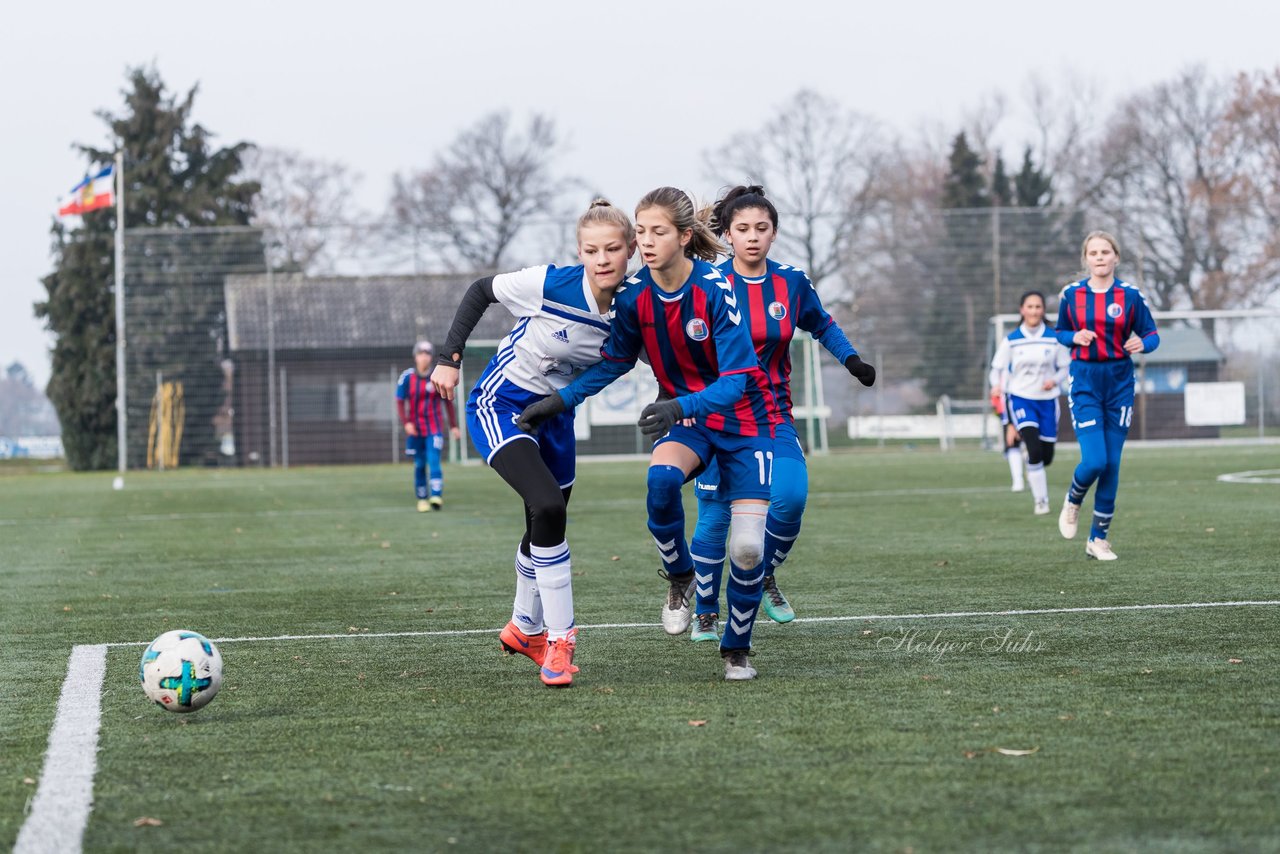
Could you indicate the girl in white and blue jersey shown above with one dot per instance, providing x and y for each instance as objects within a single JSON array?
[
  {"x": 1028, "y": 371},
  {"x": 562, "y": 320}
]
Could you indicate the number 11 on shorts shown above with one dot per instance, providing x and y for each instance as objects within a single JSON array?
[{"x": 765, "y": 461}]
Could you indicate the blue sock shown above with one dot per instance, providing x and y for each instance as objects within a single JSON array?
[
  {"x": 789, "y": 492},
  {"x": 708, "y": 553},
  {"x": 742, "y": 594},
  {"x": 666, "y": 519},
  {"x": 1104, "y": 499},
  {"x": 420, "y": 479}
]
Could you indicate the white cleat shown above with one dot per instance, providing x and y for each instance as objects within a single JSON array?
[
  {"x": 737, "y": 666},
  {"x": 1069, "y": 520},
  {"x": 1042, "y": 507},
  {"x": 676, "y": 610},
  {"x": 1018, "y": 487},
  {"x": 1099, "y": 550}
]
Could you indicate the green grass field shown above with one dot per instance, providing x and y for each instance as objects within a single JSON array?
[{"x": 1152, "y": 730}]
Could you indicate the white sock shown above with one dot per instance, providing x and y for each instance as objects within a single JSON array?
[
  {"x": 1039, "y": 482},
  {"x": 527, "y": 611},
  {"x": 1014, "y": 456},
  {"x": 555, "y": 585}
]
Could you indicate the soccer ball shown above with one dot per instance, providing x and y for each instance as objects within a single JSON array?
[{"x": 181, "y": 671}]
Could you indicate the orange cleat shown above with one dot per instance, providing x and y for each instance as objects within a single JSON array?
[
  {"x": 558, "y": 668},
  {"x": 516, "y": 642}
]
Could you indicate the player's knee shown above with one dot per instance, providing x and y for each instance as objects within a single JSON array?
[
  {"x": 547, "y": 516},
  {"x": 787, "y": 500},
  {"x": 713, "y": 522},
  {"x": 746, "y": 535},
  {"x": 663, "y": 497},
  {"x": 1090, "y": 470},
  {"x": 1046, "y": 452}
]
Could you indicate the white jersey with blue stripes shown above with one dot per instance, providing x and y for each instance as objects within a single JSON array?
[
  {"x": 1026, "y": 358},
  {"x": 559, "y": 332}
]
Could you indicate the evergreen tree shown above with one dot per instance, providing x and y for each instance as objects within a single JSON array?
[
  {"x": 960, "y": 270},
  {"x": 965, "y": 186},
  {"x": 1032, "y": 187},
  {"x": 1001, "y": 192},
  {"x": 174, "y": 178}
]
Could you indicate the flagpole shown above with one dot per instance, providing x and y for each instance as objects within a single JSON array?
[{"x": 121, "y": 417}]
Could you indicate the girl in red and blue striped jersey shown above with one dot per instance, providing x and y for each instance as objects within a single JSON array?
[
  {"x": 562, "y": 321},
  {"x": 681, "y": 313},
  {"x": 423, "y": 413},
  {"x": 776, "y": 301},
  {"x": 1105, "y": 322}
]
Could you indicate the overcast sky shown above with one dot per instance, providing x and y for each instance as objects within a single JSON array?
[{"x": 641, "y": 89}]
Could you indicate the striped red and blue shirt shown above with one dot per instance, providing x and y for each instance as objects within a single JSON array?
[
  {"x": 697, "y": 345},
  {"x": 775, "y": 306},
  {"x": 1112, "y": 315},
  {"x": 420, "y": 405}
]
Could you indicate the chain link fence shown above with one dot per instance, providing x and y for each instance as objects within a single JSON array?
[{"x": 235, "y": 357}]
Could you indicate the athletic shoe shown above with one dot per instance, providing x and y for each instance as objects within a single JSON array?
[
  {"x": 516, "y": 642},
  {"x": 676, "y": 611},
  {"x": 775, "y": 604},
  {"x": 1069, "y": 519},
  {"x": 437, "y": 503},
  {"x": 557, "y": 668},
  {"x": 423, "y": 506},
  {"x": 1042, "y": 507},
  {"x": 737, "y": 665},
  {"x": 706, "y": 628},
  {"x": 1018, "y": 487},
  {"x": 1099, "y": 550}
]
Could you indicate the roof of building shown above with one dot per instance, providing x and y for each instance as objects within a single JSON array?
[
  {"x": 1180, "y": 344},
  {"x": 326, "y": 313}
]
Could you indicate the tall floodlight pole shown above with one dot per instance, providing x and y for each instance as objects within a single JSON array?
[{"x": 121, "y": 418}]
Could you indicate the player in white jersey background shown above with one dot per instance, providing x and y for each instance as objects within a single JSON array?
[
  {"x": 563, "y": 319},
  {"x": 1028, "y": 370}
]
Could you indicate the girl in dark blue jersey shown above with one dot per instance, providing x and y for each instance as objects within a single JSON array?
[
  {"x": 776, "y": 301},
  {"x": 684, "y": 316},
  {"x": 1105, "y": 322}
]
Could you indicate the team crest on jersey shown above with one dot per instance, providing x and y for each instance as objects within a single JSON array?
[
  {"x": 1114, "y": 310},
  {"x": 697, "y": 329},
  {"x": 777, "y": 310}
]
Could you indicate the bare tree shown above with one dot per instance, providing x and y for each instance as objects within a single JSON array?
[
  {"x": 304, "y": 205},
  {"x": 1178, "y": 186},
  {"x": 480, "y": 192},
  {"x": 1254, "y": 115},
  {"x": 819, "y": 162}
]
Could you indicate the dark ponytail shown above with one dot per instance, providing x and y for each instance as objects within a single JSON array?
[{"x": 738, "y": 199}]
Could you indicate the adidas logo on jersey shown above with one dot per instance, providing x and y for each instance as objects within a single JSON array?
[{"x": 561, "y": 336}]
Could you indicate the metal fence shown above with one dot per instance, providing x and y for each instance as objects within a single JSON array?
[{"x": 233, "y": 359}]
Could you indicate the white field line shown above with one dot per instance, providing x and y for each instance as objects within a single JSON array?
[
  {"x": 1259, "y": 476},
  {"x": 60, "y": 809},
  {"x": 939, "y": 615}
]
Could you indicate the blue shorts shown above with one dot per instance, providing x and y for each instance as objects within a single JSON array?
[
  {"x": 1041, "y": 414},
  {"x": 1101, "y": 395},
  {"x": 417, "y": 445},
  {"x": 492, "y": 411},
  {"x": 736, "y": 466},
  {"x": 708, "y": 483}
]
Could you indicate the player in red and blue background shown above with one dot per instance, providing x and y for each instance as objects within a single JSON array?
[
  {"x": 685, "y": 317},
  {"x": 423, "y": 414},
  {"x": 776, "y": 301},
  {"x": 1105, "y": 322}
]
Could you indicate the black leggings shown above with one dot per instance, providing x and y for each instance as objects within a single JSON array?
[
  {"x": 520, "y": 464},
  {"x": 1038, "y": 450}
]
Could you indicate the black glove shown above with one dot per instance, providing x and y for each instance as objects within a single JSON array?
[
  {"x": 540, "y": 411},
  {"x": 658, "y": 417},
  {"x": 861, "y": 371}
]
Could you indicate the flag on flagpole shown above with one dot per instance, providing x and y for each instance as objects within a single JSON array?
[{"x": 93, "y": 193}]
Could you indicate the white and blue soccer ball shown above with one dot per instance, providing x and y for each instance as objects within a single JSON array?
[{"x": 181, "y": 671}]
